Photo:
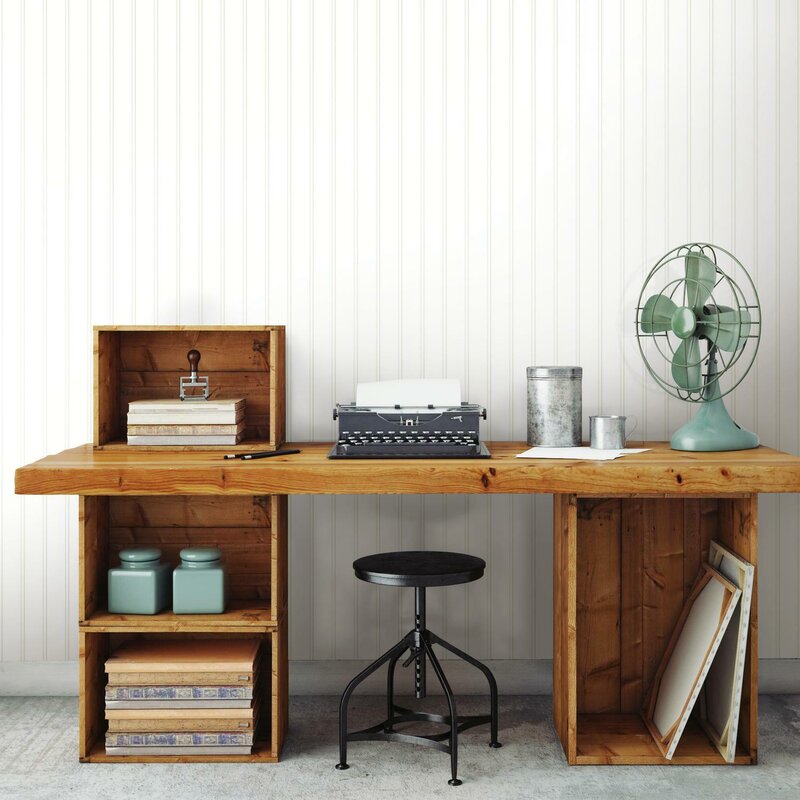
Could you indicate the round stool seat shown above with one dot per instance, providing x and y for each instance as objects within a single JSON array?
[{"x": 419, "y": 568}]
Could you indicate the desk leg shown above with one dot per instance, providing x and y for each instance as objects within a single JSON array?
[
  {"x": 565, "y": 710},
  {"x": 622, "y": 569}
]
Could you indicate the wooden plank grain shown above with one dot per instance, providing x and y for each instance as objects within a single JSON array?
[
  {"x": 598, "y": 606},
  {"x": 663, "y": 579},
  {"x": 632, "y": 603},
  {"x": 84, "y": 470},
  {"x": 92, "y": 555},
  {"x": 220, "y": 351},
  {"x": 200, "y": 511}
]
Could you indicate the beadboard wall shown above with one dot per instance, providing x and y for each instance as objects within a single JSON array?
[{"x": 438, "y": 188}]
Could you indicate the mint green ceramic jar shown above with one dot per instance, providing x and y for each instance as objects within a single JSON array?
[
  {"x": 198, "y": 584},
  {"x": 141, "y": 584}
]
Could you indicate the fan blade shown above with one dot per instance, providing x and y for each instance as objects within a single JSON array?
[
  {"x": 686, "y": 365},
  {"x": 725, "y": 327},
  {"x": 657, "y": 314},
  {"x": 701, "y": 275}
]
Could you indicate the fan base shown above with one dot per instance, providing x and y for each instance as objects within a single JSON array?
[{"x": 711, "y": 430}]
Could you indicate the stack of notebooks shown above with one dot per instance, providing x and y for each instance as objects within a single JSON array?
[
  {"x": 186, "y": 422},
  {"x": 178, "y": 698}
]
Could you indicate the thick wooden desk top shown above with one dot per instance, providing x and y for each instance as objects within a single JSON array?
[{"x": 661, "y": 471}]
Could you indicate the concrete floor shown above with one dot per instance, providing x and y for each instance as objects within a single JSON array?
[{"x": 38, "y": 759}]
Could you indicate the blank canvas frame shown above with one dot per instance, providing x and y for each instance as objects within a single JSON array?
[
  {"x": 705, "y": 617},
  {"x": 721, "y": 696}
]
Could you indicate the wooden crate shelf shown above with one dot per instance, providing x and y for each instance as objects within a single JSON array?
[
  {"x": 622, "y": 570},
  {"x": 251, "y": 531},
  {"x": 253, "y": 615},
  {"x": 272, "y": 683},
  {"x": 146, "y": 362}
]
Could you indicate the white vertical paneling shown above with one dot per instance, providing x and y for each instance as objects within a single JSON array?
[
  {"x": 32, "y": 412},
  {"x": 167, "y": 201},
  {"x": 55, "y": 235},
  {"x": 655, "y": 182},
  {"x": 788, "y": 435},
  {"x": 212, "y": 126},
  {"x": 414, "y": 188},
  {"x": 567, "y": 207},
  {"x": 191, "y": 168},
  {"x": 12, "y": 242},
  {"x": 234, "y": 154},
  {"x": 410, "y": 290},
  {"x": 633, "y": 249},
  {"x": 613, "y": 290},
  {"x": 583, "y": 296},
  {"x": 123, "y": 154},
  {"x": 255, "y": 164},
  {"x": 144, "y": 147}
]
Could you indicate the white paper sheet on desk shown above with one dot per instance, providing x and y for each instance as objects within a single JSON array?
[{"x": 580, "y": 453}]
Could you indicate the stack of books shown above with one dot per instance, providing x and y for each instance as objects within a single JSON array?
[
  {"x": 186, "y": 422},
  {"x": 190, "y": 697}
]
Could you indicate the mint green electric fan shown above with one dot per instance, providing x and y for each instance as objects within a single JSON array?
[{"x": 698, "y": 330}]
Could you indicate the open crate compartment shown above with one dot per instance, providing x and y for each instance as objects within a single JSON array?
[
  {"x": 636, "y": 561},
  {"x": 146, "y": 362},
  {"x": 249, "y": 530},
  {"x": 270, "y": 686}
]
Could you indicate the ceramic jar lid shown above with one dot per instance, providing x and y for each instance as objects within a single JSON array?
[
  {"x": 139, "y": 555},
  {"x": 200, "y": 555}
]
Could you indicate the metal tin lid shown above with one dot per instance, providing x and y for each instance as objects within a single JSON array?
[
  {"x": 555, "y": 372},
  {"x": 137, "y": 555},
  {"x": 196, "y": 555}
]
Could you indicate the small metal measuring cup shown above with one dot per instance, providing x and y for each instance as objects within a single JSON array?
[{"x": 608, "y": 432}]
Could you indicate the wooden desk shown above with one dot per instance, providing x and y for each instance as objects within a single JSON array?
[{"x": 629, "y": 537}]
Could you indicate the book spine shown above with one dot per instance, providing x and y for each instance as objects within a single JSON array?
[
  {"x": 179, "y": 739},
  {"x": 185, "y": 430},
  {"x": 151, "y": 725},
  {"x": 156, "y": 750},
  {"x": 180, "y": 679},
  {"x": 176, "y": 418},
  {"x": 183, "y": 440},
  {"x": 179, "y": 692}
]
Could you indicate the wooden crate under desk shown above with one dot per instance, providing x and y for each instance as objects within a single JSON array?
[
  {"x": 95, "y": 647},
  {"x": 146, "y": 363},
  {"x": 251, "y": 532},
  {"x": 622, "y": 570}
]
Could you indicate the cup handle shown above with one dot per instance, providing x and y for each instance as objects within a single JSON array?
[{"x": 635, "y": 424}]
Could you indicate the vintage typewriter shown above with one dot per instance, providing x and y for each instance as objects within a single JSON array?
[{"x": 409, "y": 419}]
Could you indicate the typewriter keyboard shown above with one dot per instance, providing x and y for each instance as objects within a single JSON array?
[{"x": 411, "y": 444}]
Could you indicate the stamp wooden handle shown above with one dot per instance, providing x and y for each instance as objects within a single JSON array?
[{"x": 194, "y": 359}]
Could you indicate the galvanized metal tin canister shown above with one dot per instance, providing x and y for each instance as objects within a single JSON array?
[{"x": 554, "y": 406}]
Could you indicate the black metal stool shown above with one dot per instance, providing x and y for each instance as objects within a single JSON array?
[{"x": 419, "y": 569}]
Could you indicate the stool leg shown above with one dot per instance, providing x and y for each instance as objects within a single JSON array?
[
  {"x": 393, "y": 652},
  {"x": 390, "y": 692},
  {"x": 489, "y": 676},
  {"x": 451, "y": 702}
]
